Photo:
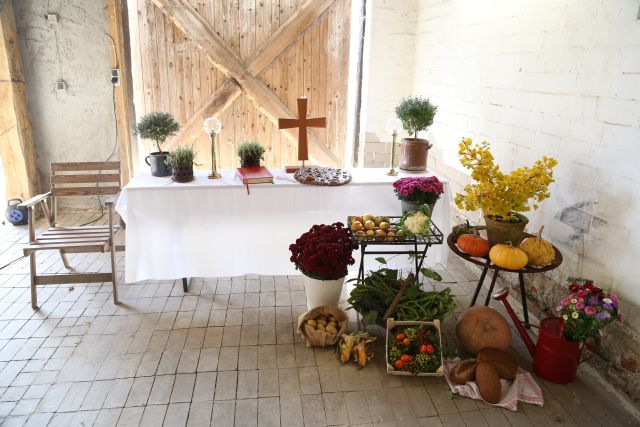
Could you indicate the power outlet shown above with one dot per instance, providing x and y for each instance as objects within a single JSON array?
[{"x": 115, "y": 76}]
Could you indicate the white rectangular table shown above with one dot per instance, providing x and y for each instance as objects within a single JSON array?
[{"x": 212, "y": 228}]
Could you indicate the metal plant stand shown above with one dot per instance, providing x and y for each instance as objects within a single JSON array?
[
  {"x": 486, "y": 265},
  {"x": 373, "y": 245}
]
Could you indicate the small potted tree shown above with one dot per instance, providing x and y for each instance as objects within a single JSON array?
[
  {"x": 181, "y": 162},
  {"x": 250, "y": 154},
  {"x": 416, "y": 114},
  {"x": 157, "y": 127}
]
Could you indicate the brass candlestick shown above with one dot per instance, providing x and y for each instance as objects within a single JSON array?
[
  {"x": 392, "y": 171},
  {"x": 214, "y": 169},
  {"x": 213, "y": 127}
]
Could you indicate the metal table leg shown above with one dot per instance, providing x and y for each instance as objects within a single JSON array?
[
  {"x": 185, "y": 284},
  {"x": 480, "y": 283},
  {"x": 493, "y": 282},
  {"x": 523, "y": 296}
]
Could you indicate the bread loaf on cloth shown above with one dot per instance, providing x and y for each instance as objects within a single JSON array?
[
  {"x": 463, "y": 372},
  {"x": 488, "y": 382},
  {"x": 503, "y": 362}
]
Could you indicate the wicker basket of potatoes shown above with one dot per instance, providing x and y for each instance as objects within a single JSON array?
[{"x": 322, "y": 326}]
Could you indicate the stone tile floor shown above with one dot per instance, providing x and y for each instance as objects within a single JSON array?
[{"x": 225, "y": 353}]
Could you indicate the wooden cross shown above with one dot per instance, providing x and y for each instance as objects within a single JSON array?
[{"x": 302, "y": 123}]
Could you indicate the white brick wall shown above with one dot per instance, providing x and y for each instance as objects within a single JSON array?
[
  {"x": 557, "y": 78},
  {"x": 388, "y": 72}
]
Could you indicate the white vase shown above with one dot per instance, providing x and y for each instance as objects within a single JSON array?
[{"x": 322, "y": 292}]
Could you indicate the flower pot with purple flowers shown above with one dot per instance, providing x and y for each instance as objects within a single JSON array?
[
  {"x": 583, "y": 312},
  {"x": 323, "y": 255},
  {"x": 416, "y": 191}
]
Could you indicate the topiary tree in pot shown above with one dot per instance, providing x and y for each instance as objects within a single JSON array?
[
  {"x": 158, "y": 127},
  {"x": 416, "y": 114},
  {"x": 250, "y": 154}
]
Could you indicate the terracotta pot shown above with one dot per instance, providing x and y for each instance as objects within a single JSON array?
[
  {"x": 322, "y": 292},
  {"x": 409, "y": 206},
  {"x": 183, "y": 173},
  {"x": 413, "y": 154},
  {"x": 503, "y": 232}
]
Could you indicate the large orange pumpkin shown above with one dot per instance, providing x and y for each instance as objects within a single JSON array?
[
  {"x": 483, "y": 327},
  {"x": 473, "y": 245}
]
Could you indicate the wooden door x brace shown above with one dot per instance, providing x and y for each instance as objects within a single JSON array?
[{"x": 242, "y": 77}]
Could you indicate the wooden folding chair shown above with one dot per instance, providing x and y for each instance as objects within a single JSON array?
[{"x": 74, "y": 179}]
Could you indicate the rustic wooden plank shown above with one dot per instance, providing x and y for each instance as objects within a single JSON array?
[
  {"x": 247, "y": 24},
  {"x": 94, "y": 236},
  {"x": 145, "y": 75},
  {"x": 153, "y": 15},
  {"x": 98, "y": 240},
  {"x": 83, "y": 229},
  {"x": 345, "y": 14},
  {"x": 84, "y": 191},
  {"x": 321, "y": 92},
  {"x": 57, "y": 279},
  {"x": 17, "y": 148},
  {"x": 161, "y": 50},
  {"x": 80, "y": 179},
  {"x": 170, "y": 46},
  {"x": 84, "y": 166},
  {"x": 67, "y": 247},
  {"x": 233, "y": 26},
  {"x": 220, "y": 54},
  {"x": 195, "y": 79},
  {"x": 180, "y": 46}
]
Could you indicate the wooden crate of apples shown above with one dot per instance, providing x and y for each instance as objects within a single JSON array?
[{"x": 379, "y": 228}]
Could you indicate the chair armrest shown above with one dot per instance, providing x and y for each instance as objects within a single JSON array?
[
  {"x": 111, "y": 201},
  {"x": 34, "y": 200}
]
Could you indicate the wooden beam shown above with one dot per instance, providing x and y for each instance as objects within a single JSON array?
[
  {"x": 118, "y": 27},
  {"x": 219, "y": 101},
  {"x": 196, "y": 27},
  {"x": 17, "y": 148},
  {"x": 286, "y": 34}
]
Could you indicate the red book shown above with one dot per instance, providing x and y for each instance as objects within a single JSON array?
[{"x": 254, "y": 175}]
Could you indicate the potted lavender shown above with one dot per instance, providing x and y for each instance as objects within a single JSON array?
[{"x": 417, "y": 191}]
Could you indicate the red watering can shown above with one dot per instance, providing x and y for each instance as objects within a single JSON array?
[{"x": 555, "y": 359}]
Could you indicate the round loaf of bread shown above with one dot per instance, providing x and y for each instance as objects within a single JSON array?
[
  {"x": 463, "y": 372},
  {"x": 505, "y": 364},
  {"x": 488, "y": 382}
]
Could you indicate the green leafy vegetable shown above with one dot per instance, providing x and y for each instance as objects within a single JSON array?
[{"x": 372, "y": 297}]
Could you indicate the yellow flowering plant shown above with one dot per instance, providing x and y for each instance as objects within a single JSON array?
[{"x": 499, "y": 194}]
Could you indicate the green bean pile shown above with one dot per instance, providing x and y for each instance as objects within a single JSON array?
[{"x": 371, "y": 298}]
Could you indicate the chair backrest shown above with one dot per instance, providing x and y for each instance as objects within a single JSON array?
[{"x": 85, "y": 179}]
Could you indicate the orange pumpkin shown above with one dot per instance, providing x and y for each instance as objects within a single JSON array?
[{"x": 473, "y": 245}]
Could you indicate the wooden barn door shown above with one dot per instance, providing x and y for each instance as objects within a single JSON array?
[{"x": 246, "y": 61}]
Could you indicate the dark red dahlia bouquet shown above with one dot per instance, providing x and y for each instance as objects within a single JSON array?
[
  {"x": 421, "y": 190},
  {"x": 323, "y": 252}
]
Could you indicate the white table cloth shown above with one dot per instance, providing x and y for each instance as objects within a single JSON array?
[{"x": 212, "y": 228}]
